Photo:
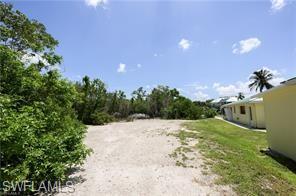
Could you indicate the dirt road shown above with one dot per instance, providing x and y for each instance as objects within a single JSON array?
[{"x": 132, "y": 158}]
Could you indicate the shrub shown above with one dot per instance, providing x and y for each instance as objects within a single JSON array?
[
  {"x": 183, "y": 108},
  {"x": 101, "y": 118},
  {"x": 209, "y": 112},
  {"x": 38, "y": 142},
  {"x": 40, "y": 136}
]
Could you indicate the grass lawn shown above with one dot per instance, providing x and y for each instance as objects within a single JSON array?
[{"x": 234, "y": 154}]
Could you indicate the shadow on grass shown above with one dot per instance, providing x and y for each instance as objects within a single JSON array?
[{"x": 283, "y": 160}]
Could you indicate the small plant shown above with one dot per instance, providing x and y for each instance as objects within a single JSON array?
[
  {"x": 101, "y": 118},
  {"x": 209, "y": 112}
]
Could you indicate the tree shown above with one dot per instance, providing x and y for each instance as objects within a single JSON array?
[
  {"x": 139, "y": 101},
  {"x": 159, "y": 99},
  {"x": 93, "y": 97},
  {"x": 119, "y": 104},
  {"x": 40, "y": 135},
  {"x": 240, "y": 96},
  {"x": 27, "y": 37},
  {"x": 260, "y": 80},
  {"x": 183, "y": 108},
  {"x": 139, "y": 94}
]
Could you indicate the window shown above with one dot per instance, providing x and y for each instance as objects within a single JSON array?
[
  {"x": 242, "y": 110},
  {"x": 251, "y": 117},
  {"x": 234, "y": 109}
]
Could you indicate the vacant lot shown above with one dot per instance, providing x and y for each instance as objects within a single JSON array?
[
  {"x": 234, "y": 153},
  {"x": 133, "y": 158}
]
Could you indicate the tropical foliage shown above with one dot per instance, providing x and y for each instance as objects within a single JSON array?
[
  {"x": 260, "y": 80},
  {"x": 42, "y": 114},
  {"x": 240, "y": 96},
  {"x": 96, "y": 104},
  {"x": 39, "y": 134}
]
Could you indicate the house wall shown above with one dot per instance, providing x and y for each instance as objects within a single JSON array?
[
  {"x": 241, "y": 118},
  {"x": 260, "y": 118},
  {"x": 280, "y": 116},
  {"x": 257, "y": 109}
]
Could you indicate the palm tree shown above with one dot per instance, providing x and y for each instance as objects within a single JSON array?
[
  {"x": 240, "y": 96},
  {"x": 260, "y": 80}
]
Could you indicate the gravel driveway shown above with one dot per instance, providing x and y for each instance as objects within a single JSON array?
[{"x": 132, "y": 158}]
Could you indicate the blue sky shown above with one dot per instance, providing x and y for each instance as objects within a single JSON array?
[{"x": 205, "y": 49}]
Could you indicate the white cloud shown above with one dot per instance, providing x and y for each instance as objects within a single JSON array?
[
  {"x": 216, "y": 84},
  {"x": 200, "y": 87},
  {"x": 184, "y": 44},
  {"x": 28, "y": 59},
  {"x": 243, "y": 86},
  {"x": 245, "y": 46},
  {"x": 200, "y": 96},
  {"x": 232, "y": 89},
  {"x": 277, "y": 5},
  {"x": 139, "y": 65},
  {"x": 35, "y": 58},
  {"x": 195, "y": 91},
  {"x": 277, "y": 76},
  {"x": 197, "y": 86},
  {"x": 95, "y": 3},
  {"x": 121, "y": 68}
]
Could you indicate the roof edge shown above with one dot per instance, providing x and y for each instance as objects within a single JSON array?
[{"x": 289, "y": 82}]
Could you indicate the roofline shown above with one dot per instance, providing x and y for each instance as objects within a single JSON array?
[
  {"x": 289, "y": 82},
  {"x": 242, "y": 102}
]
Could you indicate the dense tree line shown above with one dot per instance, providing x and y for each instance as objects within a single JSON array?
[
  {"x": 42, "y": 114},
  {"x": 97, "y": 106}
]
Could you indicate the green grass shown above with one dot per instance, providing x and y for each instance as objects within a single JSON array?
[{"x": 234, "y": 154}]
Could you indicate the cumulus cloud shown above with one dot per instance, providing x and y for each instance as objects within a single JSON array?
[
  {"x": 184, "y": 44},
  {"x": 216, "y": 84},
  {"x": 277, "y": 5},
  {"x": 139, "y": 65},
  {"x": 232, "y": 89},
  {"x": 95, "y": 3},
  {"x": 33, "y": 58},
  {"x": 121, "y": 68},
  {"x": 277, "y": 76},
  {"x": 246, "y": 46},
  {"x": 201, "y": 87},
  {"x": 200, "y": 96},
  {"x": 197, "y": 86},
  {"x": 243, "y": 86}
]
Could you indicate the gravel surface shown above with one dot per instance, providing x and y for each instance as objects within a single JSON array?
[{"x": 132, "y": 158}]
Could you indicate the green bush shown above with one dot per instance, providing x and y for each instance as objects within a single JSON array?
[
  {"x": 209, "y": 112},
  {"x": 101, "y": 118},
  {"x": 40, "y": 135},
  {"x": 183, "y": 108},
  {"x": 38, "y": 142}
]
